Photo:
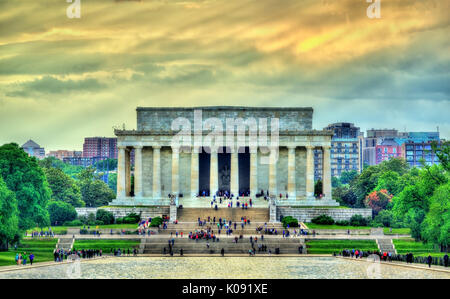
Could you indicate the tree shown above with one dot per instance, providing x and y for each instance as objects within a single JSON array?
[
  {"x": 389, "y": 181},
  {"x": 70, "y": 170},
  {"x": 442, "y": 152},
  {"x": 318, "y": 188},
  {"x": 26, "y": 179},
  {"x": 112, "y": 181},
  {"x": 378, "y": 200},
  {"x": 104, "y": 216},
  {"x": 436, "y": 225},
  {"x": 347, "y": 176},
  {"x": 63, "y": 187},
  {"x": 9, "y": 216},
  {"x": 61, "y": 212},
  {"x": 96, "y": 193}
]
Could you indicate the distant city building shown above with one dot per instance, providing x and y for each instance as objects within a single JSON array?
[
  {"x": 345, "y": 150},
  {"x": 375, "y": 137},
  {"x": 383, "y": 144},
  {"x": 33, "y": 149},
  {"x": 61, "y": 154},
  {"x": 100, "y": 147},
  {"x": 388, "y": 149},
  {"x": 417, "y": 147}
]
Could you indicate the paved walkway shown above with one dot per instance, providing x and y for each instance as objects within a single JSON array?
[{"x": 402, "y": 264}]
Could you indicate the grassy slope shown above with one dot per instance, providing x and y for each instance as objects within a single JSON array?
[
  {"x": 330, "y": 246},
  {"x": 106, "y": 245},
  {"x": 41, "y": 248},
  {"x": 404, "y": 246},
  {"x": 57, "y": 229},
  {"x": 334, "y": 226}
]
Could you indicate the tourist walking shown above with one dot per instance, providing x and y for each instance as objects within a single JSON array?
[{"x": 429, "y": 261}]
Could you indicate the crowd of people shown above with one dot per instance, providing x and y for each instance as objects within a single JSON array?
[
  {"x": 48, "y": 233},
  {"x": 389, "y": 257}
]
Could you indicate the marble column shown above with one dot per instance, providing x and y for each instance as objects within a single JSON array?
[
  {"x": 291, "y": 172},
  {"x": 156, "y": 171},
  {"x": 253, "y": 171},
  {"x": 194, "y": 172},
  {"x": 234, "y": 173},
  {"x": 121, "y": 180},
  {"x": 128, "y": 171},
  {"x": 175, "y": 170},
  {"x": 309, "y": 172},
  {"x": 138, "y": 190},
  {"x": 326, "y": 173},
  {"x": 214, "y": 173},
  {"x": 273, "y": 173}
]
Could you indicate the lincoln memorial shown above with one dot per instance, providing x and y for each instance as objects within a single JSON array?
[{"x": 190, "y": 153}]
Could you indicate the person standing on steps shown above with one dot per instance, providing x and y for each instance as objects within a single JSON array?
[{"x": 222, "y": 252}]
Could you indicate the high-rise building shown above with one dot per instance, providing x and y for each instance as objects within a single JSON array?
[
  {"x": 345, "y": 150},
  {"x": 33, "y": 149},
  {"x": 417, "y": 148},
  {"x": 100, "y": 147}
]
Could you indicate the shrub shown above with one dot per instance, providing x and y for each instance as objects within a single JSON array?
[
  {"x": 323, "y": 219},
  {"x": 104, "y": 216},
  {"x": 61, "y": 212},
  {"x": 385, "y": 218},
  {"x": 289, "y": 220},
  {"x": 119, "y": 220},
  {"x": 75, "y": 222},
  {"x": 343, "y": 223},
  {"x": 358, "y": 220},
  {"x": 156, "y": 221}
]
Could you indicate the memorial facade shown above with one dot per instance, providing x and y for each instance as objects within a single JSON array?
[{"x": 191, "y": 152}]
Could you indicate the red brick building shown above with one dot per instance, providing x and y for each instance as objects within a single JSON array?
[
  {"x": 100, "y": 147},
  {"x": 387, "y": 149}
]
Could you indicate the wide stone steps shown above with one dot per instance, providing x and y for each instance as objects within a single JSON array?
[
  {"x": 233, "y": 214},
  {"x": 386, "y": 245},
  {"x": 242, "y": 247},
  {"x": 64, "y": 244}
]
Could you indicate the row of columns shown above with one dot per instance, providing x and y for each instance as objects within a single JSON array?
[{"x": 124, "y": 178}]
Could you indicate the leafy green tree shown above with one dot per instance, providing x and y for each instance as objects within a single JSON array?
[
  {"x": 442, "y": 152},
  {"x": 9, "y": 216},
  {"x": 70, "y": 170},
  {"x": 26, "y": 179},
  {"x": 63, "y": 187},
  {"x": 335, "y": 182},
  {"x": 94, "y": 192},
  {"x": 112, "y": 181},
  {"x": 61, "y": 212},
  {"x": 347, "y": 176},
  {"x": 103, "y": 165},
  {"x": 389, "y": 181},
  {"x": 436, "y": 226},
  {"x": 104, "y": 216},
  {"x": 318, "y": 188}
]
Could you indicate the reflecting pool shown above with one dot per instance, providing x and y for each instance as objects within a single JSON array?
[{"x": 223, "y": 267}]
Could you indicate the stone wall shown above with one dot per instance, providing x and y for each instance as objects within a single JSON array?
[
  {"x": 122, "y": 211},
  {"x": 292, "y": 119},
  {"x": 306, "y": 214}
]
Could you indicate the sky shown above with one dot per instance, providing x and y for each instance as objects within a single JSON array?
[{"x": 63, "y": 79}]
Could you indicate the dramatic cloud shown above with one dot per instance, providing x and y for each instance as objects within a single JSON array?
[{"x": 63, "y": 79}]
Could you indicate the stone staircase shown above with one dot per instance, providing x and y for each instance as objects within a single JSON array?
[
  {"x": 156, "y": 245},
  {"x": 65, "y": 243},
  {"x": 386, "y": 245},
  {"x": 233, "y": 214},
  {"x": 249, "y": 229}
]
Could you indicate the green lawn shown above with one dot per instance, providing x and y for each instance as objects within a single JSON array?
[
  {"x": 63, "y": 229},
  {"x": 311, "y": 225},
  {"x": 330, "y": 246},
  {"x": 106, "y": 245},
  {"x": 322, "y": 207},
  {"x": 41, "y": 248},
  {"x": 404, "y": 246},
  {"x": 397, "y": 231}
]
